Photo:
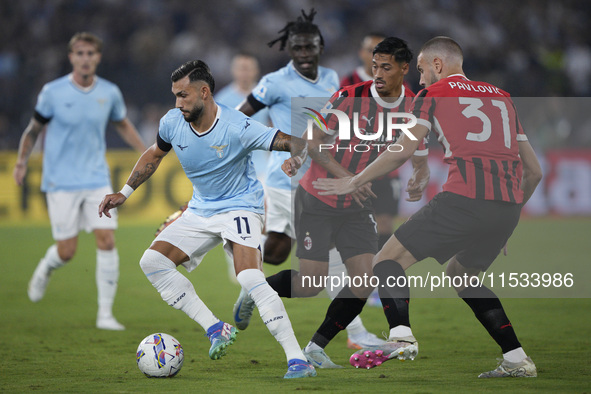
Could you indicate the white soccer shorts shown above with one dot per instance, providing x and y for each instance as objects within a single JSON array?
[
  {"x": 196, "y": 235},
  {"x": 279, "y": 212},
  {"x": 73, "y": 211}
]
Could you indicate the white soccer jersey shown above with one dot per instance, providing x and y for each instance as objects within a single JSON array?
[{"x": 218, "y": 161}]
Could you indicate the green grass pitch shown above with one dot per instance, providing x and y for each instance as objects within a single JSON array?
[{"x": 53, "y": 345}]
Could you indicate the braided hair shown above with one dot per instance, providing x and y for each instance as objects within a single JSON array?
[{"x": 302, "y": 25}]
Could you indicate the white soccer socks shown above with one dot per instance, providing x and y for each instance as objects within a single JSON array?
[
  {"x": 40, "y": 279},
  {"x": 107, "y": 276},
  {"x": 515, "y": 355},
  {"x": 271, "y": 310},
  {"x": 175, "y": 289}
]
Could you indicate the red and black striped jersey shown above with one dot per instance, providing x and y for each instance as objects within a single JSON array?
[
  {"x": 368, "y": 113},
  {"x": 357, "y": 76},
  {"x": 477, "y": 125}
]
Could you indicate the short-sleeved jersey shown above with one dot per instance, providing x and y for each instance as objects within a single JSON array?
[
  {"x": 230, "y": 96},
  {"x": 477, "y": 125},
  {"x": 356, "y": 154},
  {"x": 218, "y": 161},
  {"x": 275, "y": 90},
  {"x": 75, "y": 146}
]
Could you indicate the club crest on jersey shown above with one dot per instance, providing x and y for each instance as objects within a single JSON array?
[
  {"x": 219, "y": 150},
  {"x": 308, "y": 242}
]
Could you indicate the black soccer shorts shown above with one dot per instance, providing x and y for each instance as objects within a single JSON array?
[
  {"x": 475, "y": 230},
  {"x": 319, "y": 226},
  {"x": 388, "y": 192}
]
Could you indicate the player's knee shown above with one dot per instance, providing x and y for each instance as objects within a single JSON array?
[
  {"x": 362, "y": 292},
  {"x": 305, "y": 291},
  {"x": 66, "y": 252},
  {"x": 456, "y": 269},
  {"x": 105, "y": 240},
  {"x": 151, "y": 261}
]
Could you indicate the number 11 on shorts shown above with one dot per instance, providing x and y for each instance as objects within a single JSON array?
[{"x": 239, "y": 226}]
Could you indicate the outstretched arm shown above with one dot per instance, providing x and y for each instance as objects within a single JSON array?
[
  {"x": 144, "y": 168},
  {"x": 318, "y": 147},
  {"x": 25, "y": 148},
  {"x": 385, "y": 163}
]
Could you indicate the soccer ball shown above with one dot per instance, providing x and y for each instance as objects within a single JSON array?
[{"x": 159, "y": 355}]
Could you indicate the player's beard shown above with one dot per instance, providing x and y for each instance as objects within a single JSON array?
[{"x": 194, "y": 114}]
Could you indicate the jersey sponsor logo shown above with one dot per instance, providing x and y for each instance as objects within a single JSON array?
[
  {"x": 307, "y": 242},
  {"x": 183, "y": 147},
  {"x": 69, "y": 105},
  {"x": 219, "y": 150},
  {"x": 246, "y": 125},
  {"x": 244, "y": 237}
]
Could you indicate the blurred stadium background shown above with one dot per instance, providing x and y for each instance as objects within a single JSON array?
[
  {"x": 539, "y": 51},
  {"x": 533, "y": 49}
]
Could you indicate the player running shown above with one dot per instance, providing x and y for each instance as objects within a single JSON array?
[
  {"x": 213, "y": 143},
  {"x": 493, "y": 172},
  {"x": 76, "y": 109}
]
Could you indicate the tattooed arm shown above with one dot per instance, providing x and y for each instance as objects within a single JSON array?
[
  {"x": 144, "y": 168},
  {"x": 298, "y": 148}
]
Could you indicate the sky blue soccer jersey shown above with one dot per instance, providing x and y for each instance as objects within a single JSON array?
[
  {"x": 75, "y": 146},
  {"x": 275, "y": 90},
  {"x": 218, "y": 161},
  {"x": 232, "y": 97}
]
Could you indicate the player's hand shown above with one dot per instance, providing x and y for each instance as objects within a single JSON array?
[
  {"x": 109, "y": 202},
  {"x": 363, "y": 193},
  {"x": 19, "y": 172},
  {"x": 415, "y": 190},
  {"x": 335, "y": 186},
  {"x": 291, "y": 165},
  {"x": 415, "y": 187}
]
